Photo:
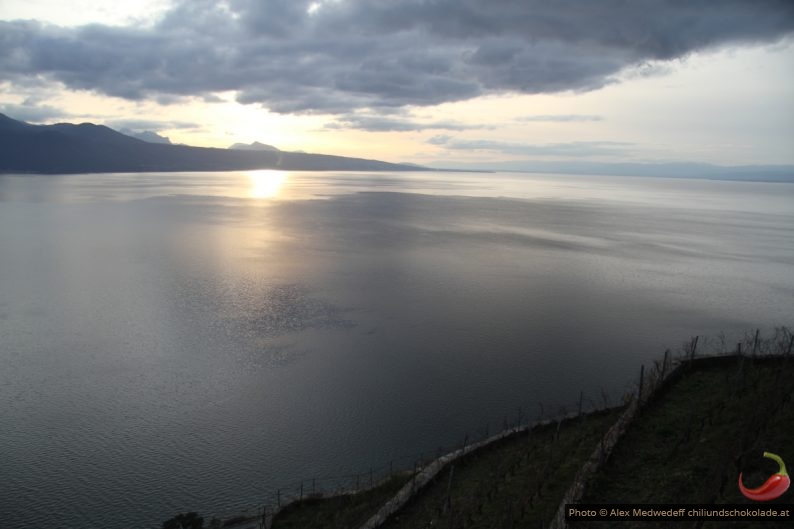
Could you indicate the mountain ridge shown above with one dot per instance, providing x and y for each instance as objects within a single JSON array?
[
  {"x": 90, "y": 148},
  {"x": 255, "y": 146}
]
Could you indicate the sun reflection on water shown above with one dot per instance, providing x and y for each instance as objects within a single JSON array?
[{"x": 265, "y": 183}]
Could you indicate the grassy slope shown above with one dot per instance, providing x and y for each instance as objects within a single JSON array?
[
  {"x": 690, "y": 444},
  {"x": 516, "y": 482},
  {"x": 338, "y": 512}
]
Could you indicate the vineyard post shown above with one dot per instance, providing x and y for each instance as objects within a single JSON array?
[{"x": 642, "y": 376}]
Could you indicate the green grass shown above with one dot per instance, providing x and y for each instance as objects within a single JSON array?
[
  {"x": 338, "y": 512},
  {"x": 516, "y": 482},
  {"x": 691, "y": 442}
]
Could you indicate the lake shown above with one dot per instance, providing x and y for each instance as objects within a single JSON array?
[{"x": 197, "y": 341}]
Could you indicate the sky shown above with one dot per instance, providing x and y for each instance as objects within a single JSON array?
[{"x": 435, "y": 82}]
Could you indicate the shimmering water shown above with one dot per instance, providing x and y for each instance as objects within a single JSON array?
[{"x": 175, "y": 342}]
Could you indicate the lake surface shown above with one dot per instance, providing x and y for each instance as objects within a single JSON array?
[{"x": 196, "y": 341}]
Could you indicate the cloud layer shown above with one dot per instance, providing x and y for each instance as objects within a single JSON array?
[
  {"x": 574, "y": 149},
  {"x": 340, "y": 56},
  {"x": 375, "y": 123}
]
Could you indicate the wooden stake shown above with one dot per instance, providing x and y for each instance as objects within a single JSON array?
[{"x": 642, "y": 376}]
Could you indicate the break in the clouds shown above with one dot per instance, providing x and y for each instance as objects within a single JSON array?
[{"x": 336, "y": 57}]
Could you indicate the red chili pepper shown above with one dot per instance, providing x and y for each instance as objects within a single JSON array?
[{"x": 774, "y": 487}]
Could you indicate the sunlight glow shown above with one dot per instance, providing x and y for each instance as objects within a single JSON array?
[
  {"x": 266, "y": 183},
  {"x": 316, "y": 6}
]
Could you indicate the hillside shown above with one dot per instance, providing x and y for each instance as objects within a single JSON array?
[{"x": 89, "y": 148}]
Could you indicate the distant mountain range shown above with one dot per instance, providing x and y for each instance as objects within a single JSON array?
[
  {"x": 256, "y": 146},
  {"x": 746, "y": 173},
  {"x": 89, "y": 148}
]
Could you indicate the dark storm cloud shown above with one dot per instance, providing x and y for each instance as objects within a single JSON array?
[{"x": 380, "y": 53}]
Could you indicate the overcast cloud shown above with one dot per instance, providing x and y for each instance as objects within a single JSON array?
[
  {"x": 374, "y": 123},
  {"x": 574, "y": 149},
  {"x": 139, "y": 125},
  {"x": 32, "y": 112},
  {"x": 559, "y": 118},
  {"x": 350, "y": 55}
]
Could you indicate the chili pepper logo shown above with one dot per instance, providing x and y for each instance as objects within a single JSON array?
[{"x": 774, "y": 487}]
